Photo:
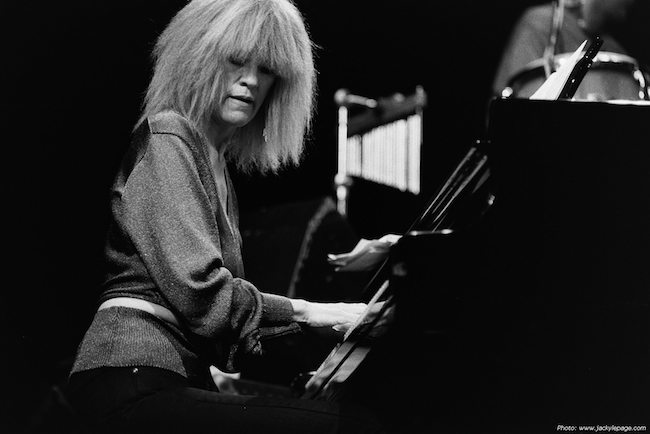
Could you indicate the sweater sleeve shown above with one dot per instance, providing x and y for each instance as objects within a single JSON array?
[{"x": 167, "y": 214}]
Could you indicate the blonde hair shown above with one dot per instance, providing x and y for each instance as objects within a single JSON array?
[{"x": 189, "y": 57}]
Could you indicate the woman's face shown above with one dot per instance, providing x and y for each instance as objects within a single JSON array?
[{"x": 247, "y": 83}]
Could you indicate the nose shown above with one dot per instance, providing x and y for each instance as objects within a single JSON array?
[{"x": 249, "y": 76}]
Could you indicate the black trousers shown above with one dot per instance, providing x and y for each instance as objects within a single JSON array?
[{"x": 152, "y": 400}]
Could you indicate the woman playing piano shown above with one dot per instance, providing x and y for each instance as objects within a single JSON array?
[{"x": 233, "y": 82}]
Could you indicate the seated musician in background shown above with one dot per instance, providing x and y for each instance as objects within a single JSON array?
[
  {"x": 582, "y": 19},
  {"x": 233, "y": 82}
]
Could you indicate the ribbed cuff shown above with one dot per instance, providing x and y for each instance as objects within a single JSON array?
[{"x": 276, "y": 309}]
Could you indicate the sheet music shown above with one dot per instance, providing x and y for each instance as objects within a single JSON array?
[{"x": 551, "y": 88}]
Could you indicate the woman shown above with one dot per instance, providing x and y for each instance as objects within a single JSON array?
[{"x": 233, "y": 81}]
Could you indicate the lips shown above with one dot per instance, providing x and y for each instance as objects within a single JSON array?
[{"x": 243, "y": 98}]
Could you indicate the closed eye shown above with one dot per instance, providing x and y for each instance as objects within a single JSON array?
[
  {"x": 266, "y": 70},
  {"x": 236, "y": 61}
]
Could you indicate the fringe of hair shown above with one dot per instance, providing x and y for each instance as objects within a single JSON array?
[{"x": 189, "y": 57}]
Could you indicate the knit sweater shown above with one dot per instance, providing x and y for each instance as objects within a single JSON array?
[{"x": 172, "y": 243}]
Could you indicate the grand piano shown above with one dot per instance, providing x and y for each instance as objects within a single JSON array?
[{"x": 527, "y": 307}]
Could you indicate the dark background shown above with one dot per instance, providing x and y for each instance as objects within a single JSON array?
[{"x": 73, "y": 77}]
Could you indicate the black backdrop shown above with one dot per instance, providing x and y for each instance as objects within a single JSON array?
[{"x": 73, "y": 77}]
